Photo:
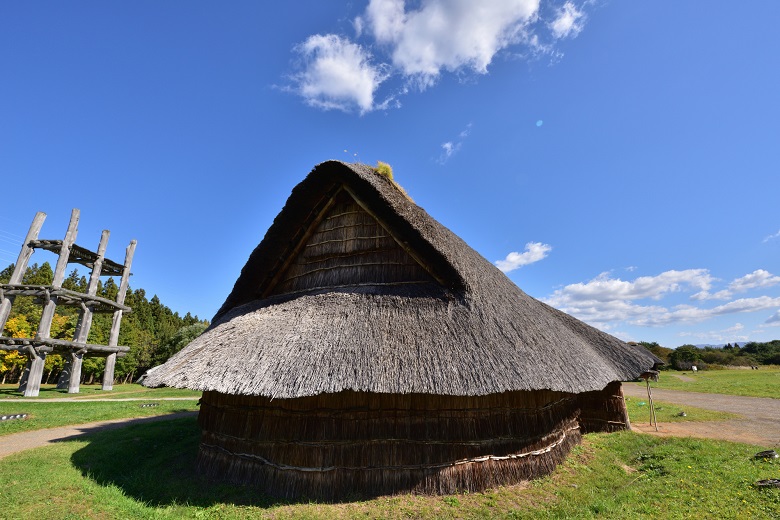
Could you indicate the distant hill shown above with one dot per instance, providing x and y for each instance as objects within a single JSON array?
[{"x": 721, "y": 345}]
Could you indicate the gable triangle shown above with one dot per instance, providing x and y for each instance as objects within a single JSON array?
[{"x": 348, "y": 247}]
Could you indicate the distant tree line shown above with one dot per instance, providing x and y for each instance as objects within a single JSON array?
[
  {"x": 750, "y": 354},
  {"x": 152, "y": 331}
]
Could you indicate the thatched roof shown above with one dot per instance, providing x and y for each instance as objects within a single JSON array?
[{"x": 455, "y": 326}]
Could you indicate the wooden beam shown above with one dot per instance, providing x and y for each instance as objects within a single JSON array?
[
  {"x": 21, "y": 266},
  {"x": 58, "y": 345},
  {"x": 64, "y": 296},
  {"x": 404, "y": 245},
  {"x": 293, "y": 254}
]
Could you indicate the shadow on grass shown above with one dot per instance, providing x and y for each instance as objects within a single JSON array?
[
  {"x": 51, "y": 390},
  {"x": 154, "y": 462},
  {"x": 14, "y": 392}
]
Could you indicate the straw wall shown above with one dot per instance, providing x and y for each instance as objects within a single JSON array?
[
  {"x": 349, "y": 444},
  {"x": 349, "y": 247},
  {"x": 604, "y": 410}
]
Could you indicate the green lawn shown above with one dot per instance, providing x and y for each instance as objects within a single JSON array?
[
  {"x": 639, "y": 412},
  {"x": 147, "y": 471},
  {"x": 95, "y": 391},
  {"x": 764, "y": 382},
  {"x": 50, "y": 415}
]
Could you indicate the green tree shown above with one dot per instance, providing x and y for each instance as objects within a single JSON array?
[{"x": 683, "y": 357}]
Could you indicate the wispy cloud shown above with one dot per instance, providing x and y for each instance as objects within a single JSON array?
[
  {"x": 774, "y": 320},
  {"x": 691, "y": 314},
  {"x": 450, "y": 148},
  {"x": 718, "y": 336},
  {"x": 534, "y": 251},
  {"x": 772, "y": 237},
  {"x": 418, "y": 42},
  {"x": 568, "y": 22}
]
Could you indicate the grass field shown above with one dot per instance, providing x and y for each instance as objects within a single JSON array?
[
  {"x": 45, "y": 413},
  {"x": 95, "y": 391},
  {"x": 764, "y": 382},
  {"x": 639, "y": 412},
  {"x": 147, "y": 471}
]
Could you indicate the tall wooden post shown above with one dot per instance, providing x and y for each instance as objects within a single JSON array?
[
  {"x": 25, "y": 375},
  {"x": 85, "y": 318},
  {"x": 44, "y": 328},
  {"x": 113, "y": 339},
  {"x": 63, "y": 382},
  {"x": 76, "y": 359},
  {"x": 21, "y": 266},
  {"x": 32, "y": 382}
]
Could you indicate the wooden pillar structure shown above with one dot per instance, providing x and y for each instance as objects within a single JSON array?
[
  {"x": 51, "y": 296},
  {"x": 20, "y": 267},
  {"x": 85, "y": 317},
  {"x": 113, "y": 339},
  {"x": 37, "y": 359}
]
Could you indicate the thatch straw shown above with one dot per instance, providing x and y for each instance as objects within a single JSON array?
[
  {"x": 367, "y": 349},
  {"x": 356, "y": 288},
  {"x": 353, "y": 443}
]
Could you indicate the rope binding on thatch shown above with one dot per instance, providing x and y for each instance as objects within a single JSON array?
[{"x": 406, "y": 467}]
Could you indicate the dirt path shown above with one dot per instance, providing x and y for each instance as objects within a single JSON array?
[
  {"x": 759, "y": 424},
  {"x": 34, "y": 439},
  {"x": 683, "y": 378}
]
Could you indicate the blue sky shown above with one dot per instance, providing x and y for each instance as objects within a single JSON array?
[{"x": 619, "y": 160}]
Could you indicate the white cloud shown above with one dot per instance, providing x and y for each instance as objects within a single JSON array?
[
  {"x": 605, "y": 299},
  {"x": 447, "y": 34},
  {"x": 418, "y": 41},
  {"x": 604, "y": 288},
  {"x": 534, "y": 251},
  {"x": 757, "y": 279},
  {"x": 691, "y": 314},
  {"x": 774, "y": 320},
  {"x": 770, "y": 237},
  {"x": 337, "y": 74},
  {"x": 568, "y": 22},
  {"x": 718, "y": 336},
  {"x": 449, "y": 148},
  {"x": 706, "y": 295}
]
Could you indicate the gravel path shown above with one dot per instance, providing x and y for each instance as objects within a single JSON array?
[{"x": 759, "y": 424}]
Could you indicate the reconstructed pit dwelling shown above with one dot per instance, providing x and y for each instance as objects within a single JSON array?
[{"x": 366, "y": 350}]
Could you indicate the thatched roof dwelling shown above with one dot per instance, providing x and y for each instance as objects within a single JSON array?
[{"x": 367, "y": 349}]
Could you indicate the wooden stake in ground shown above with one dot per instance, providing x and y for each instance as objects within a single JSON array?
[{"x": 651, "y": 375}]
